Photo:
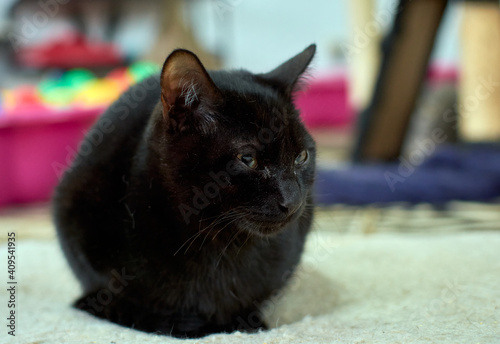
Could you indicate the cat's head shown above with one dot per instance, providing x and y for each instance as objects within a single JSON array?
[{"x": 234, "y": 147}]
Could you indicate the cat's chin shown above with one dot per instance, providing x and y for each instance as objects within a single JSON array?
[
  {"x": 260, "y": 229},
  {"x": 265, "y": 227}
]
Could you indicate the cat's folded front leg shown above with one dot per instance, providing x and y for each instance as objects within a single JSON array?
[
  {"x": 248, "y": 321},
  {"x": 130, "y": 313},
  {"x": 121, "y": 310}
]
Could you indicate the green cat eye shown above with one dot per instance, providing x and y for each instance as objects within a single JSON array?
[
  {"x": 302, "y": 157},
  {"x": 248, "y": 159}
]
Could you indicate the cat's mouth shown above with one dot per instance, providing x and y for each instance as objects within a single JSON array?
[{"x": 266, "y": 224}]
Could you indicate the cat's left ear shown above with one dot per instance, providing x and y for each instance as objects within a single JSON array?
[
  {"x": 286, "y": 76},
  {"x": 188, "y": 94}
]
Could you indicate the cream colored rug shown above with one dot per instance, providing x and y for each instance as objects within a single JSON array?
[{"x": 422, "y": 285}]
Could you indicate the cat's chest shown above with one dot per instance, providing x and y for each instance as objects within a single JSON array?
[
  {"x": 230, "y": 281},
  {"x": 231, "y": 271}
]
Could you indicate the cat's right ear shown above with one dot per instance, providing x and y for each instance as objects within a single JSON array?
[
  {"x": 188, "y": 94},
  {"x": 286, "y": 77}
]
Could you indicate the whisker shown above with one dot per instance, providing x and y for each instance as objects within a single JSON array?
[
  {"x": 192, "y": 241},
  {"x": 188, "y": 240},
  {"x": 222, "y": 217},
  {"x": 229, "y": 223},
  {"x": 234, "y": 218},
  {"x": 229, "y": 216},
  {"x": 241, "y": 246},
  {"x": 226, "y": 247}
]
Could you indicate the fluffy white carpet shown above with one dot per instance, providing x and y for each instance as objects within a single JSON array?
[{"x": 378, "y": 288}]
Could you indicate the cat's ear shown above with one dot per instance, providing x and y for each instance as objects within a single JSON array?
[
  {"x": 286, "y": 76},
  {"x": 188, "y": 94}
]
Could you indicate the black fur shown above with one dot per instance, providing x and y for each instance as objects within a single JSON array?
[{"x": 164, "y": 218}]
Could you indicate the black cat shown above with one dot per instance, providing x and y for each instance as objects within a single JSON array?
[{"x": 190, "y": 199}]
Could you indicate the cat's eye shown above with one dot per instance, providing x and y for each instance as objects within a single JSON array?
[
  {"x": 302, "y": 157},
  {"x": 248, "y": 159}
]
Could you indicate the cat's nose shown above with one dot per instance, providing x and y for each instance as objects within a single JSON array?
[
  {"x": 289, "y": 207},
  {"x": 290, "y": 198}
]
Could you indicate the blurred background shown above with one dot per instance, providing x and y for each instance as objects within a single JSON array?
[
  {"x": 254, "y": 34},
  {"x": 392, "y": 83},
  {"x": 402, "y": 98}
]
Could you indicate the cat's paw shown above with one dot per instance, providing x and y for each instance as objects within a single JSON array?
[{"x": 250, "y": 322}]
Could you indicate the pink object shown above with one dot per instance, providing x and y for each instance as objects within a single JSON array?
[
  {"x": 439, "y": 72},
  {"x": 34, "y": 150},
  {"x": 324, "y": 102}
]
